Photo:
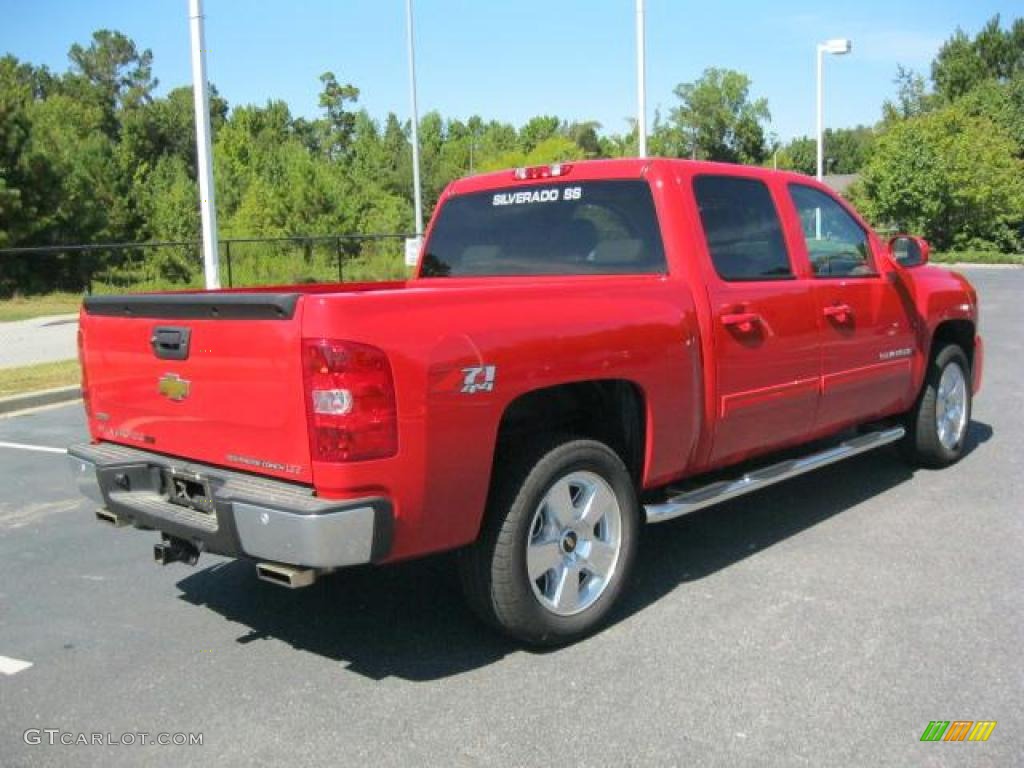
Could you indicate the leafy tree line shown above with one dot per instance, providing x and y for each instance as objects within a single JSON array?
[
  {"x": 948, "y": 162},
  {"x": 947, "y": 158},
  {"x": 94, "y": 155}
]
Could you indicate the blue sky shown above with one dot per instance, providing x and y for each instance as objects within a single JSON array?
[{"x": 513, "y": 59}]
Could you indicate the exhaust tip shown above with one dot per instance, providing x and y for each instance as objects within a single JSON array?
[
  {"x": 288, "y": 576},
  {"x": 106, "y": 516}
]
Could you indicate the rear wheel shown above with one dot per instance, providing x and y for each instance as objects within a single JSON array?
[
  {"x": 558, "y": 543},
  {"x": 937, "y": 425}
]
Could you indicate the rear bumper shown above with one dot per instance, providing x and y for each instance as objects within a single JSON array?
[{"x": 243, "y": 516}]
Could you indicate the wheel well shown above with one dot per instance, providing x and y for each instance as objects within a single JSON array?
[
  {"x": 611, "y": 411},
  {"x": 959, "y": 332}
]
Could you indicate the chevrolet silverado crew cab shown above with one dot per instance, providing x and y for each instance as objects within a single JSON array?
[{"x": 584, "y": 348}]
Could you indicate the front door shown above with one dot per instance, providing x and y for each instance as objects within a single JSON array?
[
  {"x": 767, "y": 347},
  {"x": 866, "y": 331}
]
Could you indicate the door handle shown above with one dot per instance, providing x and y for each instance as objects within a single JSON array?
[
  {"x": 743, "y": 322},
  {"x": 170, "y": 343},
  {"x": 841, "y": 312}
]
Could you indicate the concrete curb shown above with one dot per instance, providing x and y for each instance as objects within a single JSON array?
[{"x": 37, "y": 399}]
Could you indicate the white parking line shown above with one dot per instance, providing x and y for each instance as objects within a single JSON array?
[
  {"x": 26, "y": 447},
  {"x": 11, "y": 666}
]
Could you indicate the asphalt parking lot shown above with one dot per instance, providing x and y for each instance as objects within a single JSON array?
[{"x": 824, "y": 621}]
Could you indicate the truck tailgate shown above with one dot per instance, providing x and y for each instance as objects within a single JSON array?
[{"x": 213, "y": 377}]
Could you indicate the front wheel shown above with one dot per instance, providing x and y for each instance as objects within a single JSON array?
[
  {"x": 937, "y": 425},
  {"x": 558, "y": 542}
]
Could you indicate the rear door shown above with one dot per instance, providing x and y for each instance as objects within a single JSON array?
[
  {"x": 215, "y": 378},
  {"x": 765, "y": 329},
  {"x": 866, "y": 331}
]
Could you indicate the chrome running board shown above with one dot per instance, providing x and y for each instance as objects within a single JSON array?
[{"x": 709, "y": 495}]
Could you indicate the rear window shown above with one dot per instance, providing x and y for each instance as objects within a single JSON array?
[
  {"x": 742, "y": 228},
  {"x": 583, "y": 228}
]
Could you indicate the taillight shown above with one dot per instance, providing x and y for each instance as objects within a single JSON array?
[
  {"x": 85, "y": 379},
  {"x": 350, "y": 400}
]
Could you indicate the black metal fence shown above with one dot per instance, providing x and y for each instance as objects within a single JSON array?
[{"x": 244, "y": 261}]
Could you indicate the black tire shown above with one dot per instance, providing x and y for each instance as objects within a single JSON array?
[
  {"x": 922, "y": 444},
  {"x": 494, "y": 569}
]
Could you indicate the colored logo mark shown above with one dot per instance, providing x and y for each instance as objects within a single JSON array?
[{"x": 958, "y": 730}]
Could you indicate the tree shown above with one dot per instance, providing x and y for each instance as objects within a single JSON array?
[
  {"x": 396, "y": 176},
  {"x": 718, "y": 119},
  {"x": 586, "y": 138},
  {"x": 18, "y": 211},
  {"x": 1003, "y": 104},
  {"x": 950, "y": 176},
  {"x": 964, "y": 63},
  {"x": 912, "y": 97},
  {"x": 536, "y": 130},
  {"x": 553, "y": 149},
  {"x": 167, "y": 126},
  {"x": 846, "y": 151},
  {"x": 800, "y": 155},
  {"x": 168, "y": 198},
  {"x": 340, "y": 121},
  {"x": 122, "y": 75},
  {"x": 957, "y": 69}
]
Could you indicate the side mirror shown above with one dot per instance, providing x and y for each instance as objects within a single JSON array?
[{"x": 909, "y": 251}]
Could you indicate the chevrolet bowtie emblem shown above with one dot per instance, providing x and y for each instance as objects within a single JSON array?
[{"x": 173, "y": 387}]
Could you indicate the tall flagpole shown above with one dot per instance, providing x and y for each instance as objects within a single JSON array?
[
  {"x": 415, "y": 121},
  {"x": 204, "y": 152},
  {"x": 641, "y": 82}
]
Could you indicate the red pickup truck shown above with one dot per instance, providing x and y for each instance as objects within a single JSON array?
[{"x": 584, "y": 348}]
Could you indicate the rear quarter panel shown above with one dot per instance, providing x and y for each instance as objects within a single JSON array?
[{"x": 537, "y": 333}]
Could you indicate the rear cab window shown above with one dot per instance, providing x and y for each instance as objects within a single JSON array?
[
  {"x": 741, "y": 228},
  {"x": 572, "y": 228}
]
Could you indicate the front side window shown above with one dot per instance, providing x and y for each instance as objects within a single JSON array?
[
  {"x": 582, "y": 228},
  {"x": 836, "y": 244},
  {"x": 742, "y": 228}
]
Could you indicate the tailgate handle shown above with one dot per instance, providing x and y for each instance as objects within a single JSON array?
[{"x": 170, "y": 343}]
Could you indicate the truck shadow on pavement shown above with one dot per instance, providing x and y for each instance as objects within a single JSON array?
[{"x": 410, "y": 621}]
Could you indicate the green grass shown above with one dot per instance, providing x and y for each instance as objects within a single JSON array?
[
  {"x": 25, "y": 307},
  {"x": 32, "y": 378},
  {"x": 977, "y": 257},
  {"x": 284, "y": 264}
]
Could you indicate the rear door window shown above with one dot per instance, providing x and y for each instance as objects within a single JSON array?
[
  {"x": 582, "y": 228},
  {"x": 742, "y": 228}
]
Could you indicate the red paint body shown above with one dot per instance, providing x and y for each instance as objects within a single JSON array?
[{"x": 727, "y": 370}]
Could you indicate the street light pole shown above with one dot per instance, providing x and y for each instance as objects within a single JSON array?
[
  {"x": 819, "y": 129},
  {"x": 204, "y": 152},
  {"x": 641, "y": 82},
  {"x": 837, "y": 47},
  {"x": 417, "y": 194}
]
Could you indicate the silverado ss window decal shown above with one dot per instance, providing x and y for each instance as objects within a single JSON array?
[{"x": 537, "y": 196}]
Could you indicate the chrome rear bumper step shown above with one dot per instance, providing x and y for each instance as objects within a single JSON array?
[{"x": 715, "y": 493}]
